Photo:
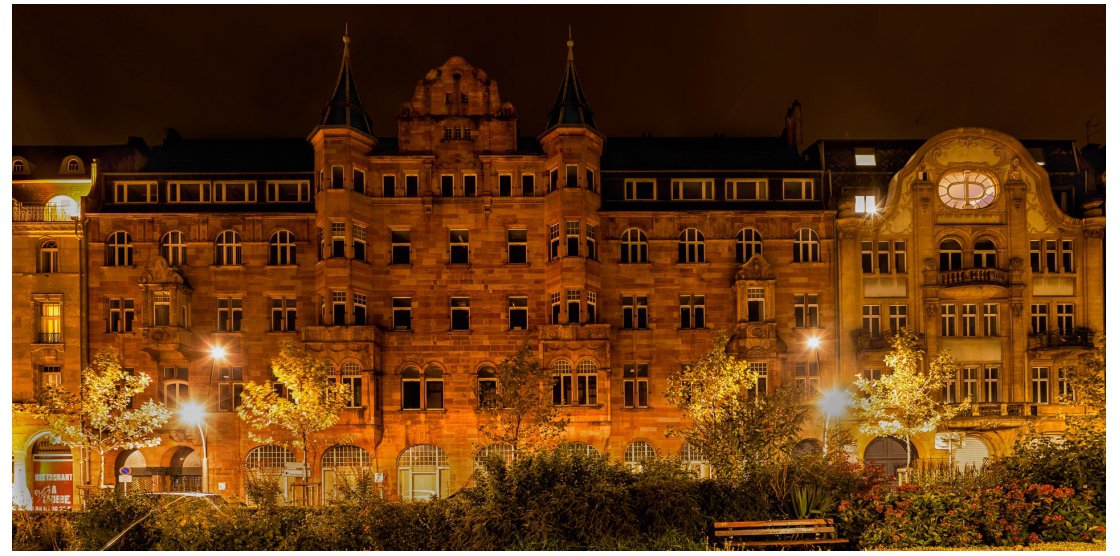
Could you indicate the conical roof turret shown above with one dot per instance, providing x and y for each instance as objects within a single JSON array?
[
  {"x": 345, "y": 107},
  {"x": 571, "y": 107}
]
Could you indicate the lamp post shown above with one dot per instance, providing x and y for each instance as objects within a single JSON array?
[
  {"x": 832, "y": 403},
  {"x": 193, "y": 413}
]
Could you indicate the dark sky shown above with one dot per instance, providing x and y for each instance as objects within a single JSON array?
[{"x": 97, "y": 74}]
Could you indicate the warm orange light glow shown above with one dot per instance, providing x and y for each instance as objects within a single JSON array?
[
  {"x": 813, "y": 342},
  {"x": 192, "y": 413},
  {"x": 834, "y": 402},
  {"x": 218, "y": 353}
]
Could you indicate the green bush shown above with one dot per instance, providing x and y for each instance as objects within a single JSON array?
[
  {"x": 109, "y": 513},
  {"x": 1078, "y": 462},
  {"x": 32, "y": 530}
]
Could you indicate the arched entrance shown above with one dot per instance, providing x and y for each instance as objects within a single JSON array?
[
  {"x": 972, "y": 453},
  {"x": 52, "y": 485},
  {"x": 142, "y": 478},
  {"x": 267, "y": 463},
  {"x": 890, "y": 454},
  {"x": 186, "y": 470},
  {"x": 340, "y": 464}
]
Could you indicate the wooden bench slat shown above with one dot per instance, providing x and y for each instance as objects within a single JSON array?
[
  {"x": 788, "y": 543},
  {"x": 742, "y": 524},
  {"x": 774, "y": 531}
]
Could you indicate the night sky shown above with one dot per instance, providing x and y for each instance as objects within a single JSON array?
[{"x": 97, "y": 74}]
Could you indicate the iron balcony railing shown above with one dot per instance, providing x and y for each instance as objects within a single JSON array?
[
  {"x": 970, "y": 276},
  {"x": 48, "y": 338},
  {"x": 1071, "y": 337},
  {"x": 38, "y": 213}
]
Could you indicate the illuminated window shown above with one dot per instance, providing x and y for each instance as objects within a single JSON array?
[
  {"x": 865, "y": 204},
  {"x": 865, "y": 156},
  {"x": 967, "y": 189},
  {"x": 49, "y": 326}
]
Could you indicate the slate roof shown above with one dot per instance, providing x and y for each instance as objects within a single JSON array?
[
  {"x": 701, "y": 153},
  {"x": 345, "y": 107},
  {"x": 571, "y": 107},
  {"x": 231, "y": 155},
  {"x": 45, "y": 161}
]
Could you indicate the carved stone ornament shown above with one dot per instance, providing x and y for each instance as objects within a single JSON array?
[
  {"x": 1094, "y": 233},
  {"x": 755, "y": 269},
  {"x": 929, "y": 263},
  {"x": 1017, "y": 309},
  {"x": 1016, "y": 264},
  {"x": 1014, "y": 174},
  {"x": 931, "y": 309},
  {"x": 159, "y": 272}
]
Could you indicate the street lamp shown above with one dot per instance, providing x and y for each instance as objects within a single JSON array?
[
  {"x": 217, "y": 353},
  {"x": 193, "y": 413},
  {"x": 833, "y": 402}
]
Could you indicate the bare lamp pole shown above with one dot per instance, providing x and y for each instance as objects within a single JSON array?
[{"x": 193, "y": 413}]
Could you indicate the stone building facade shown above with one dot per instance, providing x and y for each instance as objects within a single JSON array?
[{"x": 416, "y": 263}]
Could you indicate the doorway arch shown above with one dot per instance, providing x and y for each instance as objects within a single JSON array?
[
  {"x": 186, "y": 470},
  {"x": 53, "y": 473},
  {"x": 890, "y": 454},
  {"x": 142, "y": 478}
]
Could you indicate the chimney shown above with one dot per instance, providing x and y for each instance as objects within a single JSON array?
[{"x": 793, "y": 126}]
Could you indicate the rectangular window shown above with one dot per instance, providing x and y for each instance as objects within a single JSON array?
[
  {"x": 991, "y": 384},
  {"x": 692, "y": 311},
  {"x": 410, "y": 392},
  {"x": 641, "y": 190},
  {"x": 517, "y": 246},
  {"x": 571, "y": 176},
  {"x": 554, "y": 305},
  {"x": 1040, "y": 317},
  {"x": 970, "y": 383},
  {"x": 1067, "y": 255},
  {"x": 460, "y": 246},
  {"x": 592, "y": 307},
  {"x": 505, "y": 185},
  {"x": 188, "y": 192},
  {"x": 571, "y": 237},
  {"x": 50, "y": 323},
  {"x": 562, "y": 386},
  {"x": 865, "y": 156},
  {"x": 968, "y": 320},
  {"x": 756, "y": 304},
  {"x": 235, "y": 191},
  {"x": 359, "y": 233},
  {"x": 1040, "y": 385},
  {"x": 867, "y": 256},
  {"x": 336, "y": 177},
  {"x": 807, "y": 378},
  {"x": 338, "y": 240},
  {"x": 871, "y": 320},
  {"x": 745, "y": 190},
  {"x": 289, "y": 191},
  {"x": 50, "y": 376},
  {"x": 402, "y": 313},
  {"x": 553, "y": 242},
  {"x": 797, "y": 189},
  {"x": 338, "y": 308},
  {"x": 573, "y": 306},
  {"x": 230, "y": 386},
  {"x": 806, "y": 311},
  {"x": 1065, "y": 318},
  {"x": 991, "y": 319},
  {"x": 519, "y": 313},
  {"x": 872, "y": 374},
  {"x": 121, "y": 314},
  {"x": 134, "y": 192},
  {"x": 161, "y": 309},
  {"x": 1051, "y": 255},
  {"x": 388, "y": 186},
  {"x": 229, "y": 314},
  {"x": 592, "y": 246},
  {"x": 433, "y": 387},
  {"x": 865, "y": 204},
  {"x": 900, "y": 257},
  {"x": 352, "y": 377},
  {"x": 359, "y": 309},
  {"x": 402, "y": 246},
  {"x": 470, "y": 185},
  {"x": 360, "y": 182},
  {"x": 447, "y": 185},
  {"x": 590, "y": 177},
  {"x": 693, "y": 190},
  {"x": 528, "y": 185},
  {"x": 635, "y": 385},
  {"x": 760, "y": 372},
  {"x": 898, "y": 317},
  {"x": 950, "y": 394},
  {"x": 948, "y": 320},
  {"x": 1065, "y": 388},
  {"x": 883, "y": 257},
  {"x": 1036, "y": 255},
  {"x": 587, "y": 385},
  {"x": 553, "y": 180},
  {"x": 635, "y": 312},
  {"x": 283, "y": 314},
  {"x": 412, "y": 186},
  {"x": 460, "y": 313}
]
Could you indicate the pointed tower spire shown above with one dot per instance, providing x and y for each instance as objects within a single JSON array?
[
  {"x": 571, "y": 107},
  {"x": 345, "y": 107}
]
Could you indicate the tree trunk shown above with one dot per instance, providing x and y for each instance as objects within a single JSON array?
[
  {"x": 100, "y": 470},
  {"x": 907, "y": 453}
]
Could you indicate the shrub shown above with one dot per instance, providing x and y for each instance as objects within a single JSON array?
[
  {"x": 33, "y": 530},
  {"x": 107, "y": 514},
  {"x": 1078, "y": 462}
]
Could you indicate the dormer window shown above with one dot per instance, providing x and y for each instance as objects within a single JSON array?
[
  {"x": 865, "y": 157},
  {"x": 18, "y": 167},
  {"x": 73, "y": 166},
  {"x": 865, "y": 204}
]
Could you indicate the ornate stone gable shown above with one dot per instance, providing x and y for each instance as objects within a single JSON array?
[
  {"x": 757, "y": 268},
  {"x": 159, "y": 272}
]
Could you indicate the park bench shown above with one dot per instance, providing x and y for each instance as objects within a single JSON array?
[{"x": 733, "y": 535}]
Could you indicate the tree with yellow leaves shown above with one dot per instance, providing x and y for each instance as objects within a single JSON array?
[
  {"x": 905, "y": 401},
  {"x": 100, "y": 417},
  {"x": 312, "y": 402}
]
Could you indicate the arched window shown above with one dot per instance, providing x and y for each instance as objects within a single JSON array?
[
  {"x": 433, "y": 388},
  {"x": 503, "y": 451},
  {"x": 118, "y": 249},
  {"x": 587, "y": 383},
  {"x": 984, "y": 254},
  {"x": 423, "y": 473},
  {"x": 352, "y": 377},
  {"x": 747, "y": 244},
  {"x": 637, "y": 453},
  {"x": 172, "y": 248},
  {"x": 487, "y": 388},
  {"x": 690, "y": 246},
  {"x": 18, "y": 167},
  {"x": 950, "y": 254},
  {"x": 806, "y": 246},
  {"x": 227, "y": 249},
  {"x": 48, "y": 257},
  {"x": 634, "y": 247},
  {"x": 422, "y": 391},
  {"x": 410, "y": 389},
  {"x": 176, "y": 393},
  {"x": 580, "y": 448},
  {"x": 73, "y": 165},
  {"x": 562, "y": 382},
  {"x": 282, "y": 248},
  {"x": 267, "y": 462},
  {"x": 693, "y": 459}
]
